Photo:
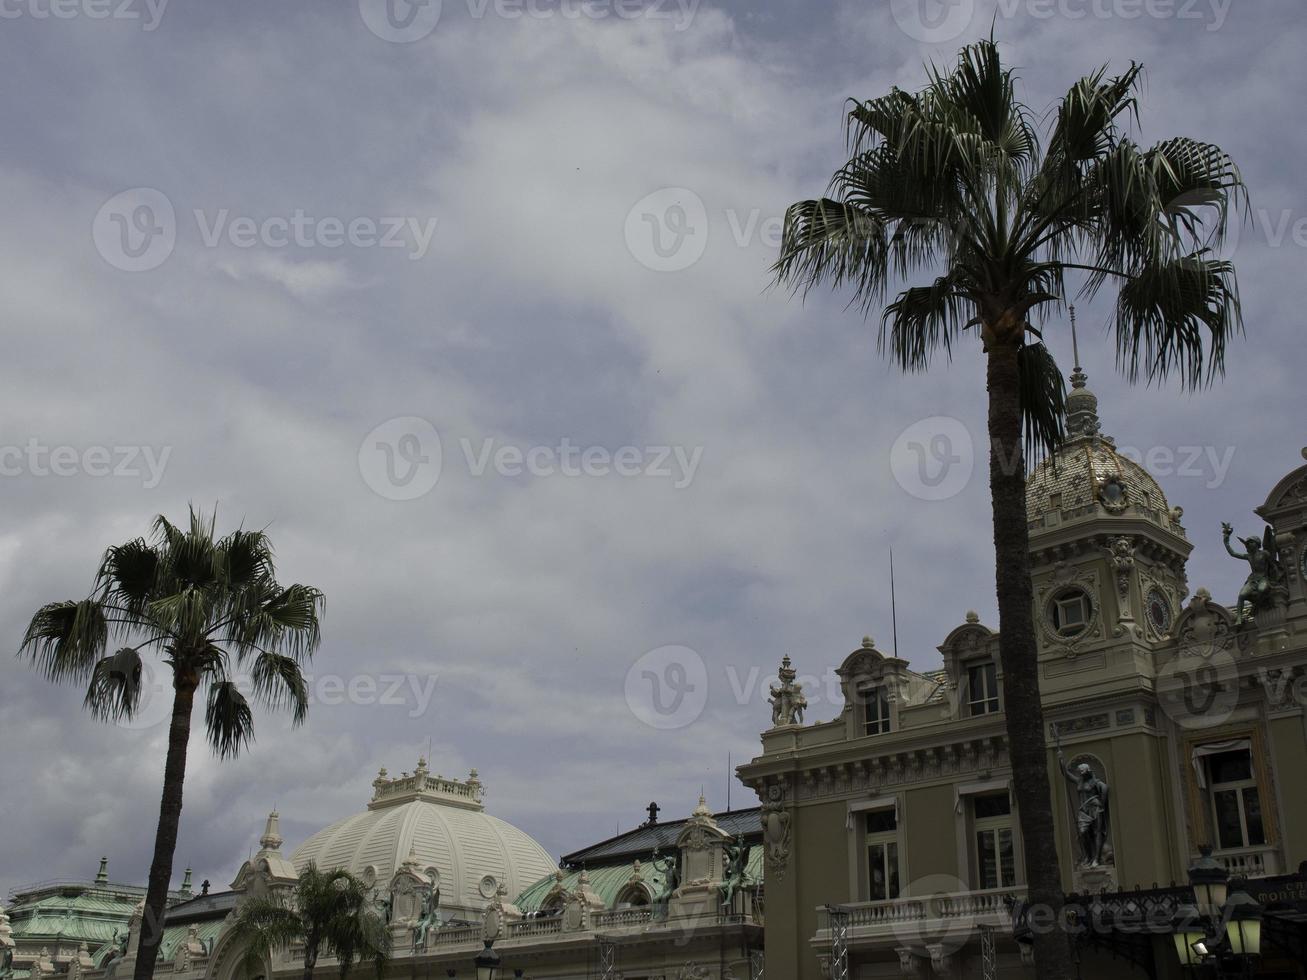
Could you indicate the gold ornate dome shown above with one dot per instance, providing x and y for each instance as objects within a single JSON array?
[{"x": 1087, "y": 477}]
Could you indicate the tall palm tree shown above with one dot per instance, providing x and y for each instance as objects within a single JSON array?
[
  {"x": 959, "y": 184},
  {"x": 206, "y": 607},
  {"x": 330, "y": 912}
]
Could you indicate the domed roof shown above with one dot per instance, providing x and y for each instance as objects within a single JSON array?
[
  {"x": 1087, "y": 477},
  {"x": 441, "y": 825}
]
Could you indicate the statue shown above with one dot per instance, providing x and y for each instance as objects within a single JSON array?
[
  {"x": 6, "y": 962},
  {"x": 385, "y": 905},
  {"x": 426, "y": 920},
  {"x": 668, "y": 868},
  {"x": 737, "y": 859},
  {"x": 120, "y": 939},
  {"x": 1093, "y": 816},
  {"x": 1266, "y": 577},
  {"x": 787, "y": 701}
]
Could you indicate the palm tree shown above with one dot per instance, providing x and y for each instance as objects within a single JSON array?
[
  {"x": 958, "y": 184},
  {"x": 330, "y": 912},
  {"x": 205, "y": 606}
]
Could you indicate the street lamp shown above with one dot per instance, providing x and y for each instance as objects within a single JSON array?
[
  {"x": 487, "y": 962},
  {"x": 1210, "y": 881},
  {"x": 1189, "y": 934},
  {"x": 1243, "y": 925},
  {"x": 1220, "y": 927}
]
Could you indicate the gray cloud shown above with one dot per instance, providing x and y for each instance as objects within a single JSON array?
[{"x": 528, "y": 321}]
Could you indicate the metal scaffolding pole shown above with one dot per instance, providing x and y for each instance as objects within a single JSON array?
[
  {"x": 839, "y": 942},
  {"x": 988, "y": 955}
]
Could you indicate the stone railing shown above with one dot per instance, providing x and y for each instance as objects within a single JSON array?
[
  {"x": 623, "y": 918},
  {"x": 456, "y": 936},
  {"x": 923, "y": 917},
  {"x": 535, "y": 927},
  {"x": 1250, "y": 862}
]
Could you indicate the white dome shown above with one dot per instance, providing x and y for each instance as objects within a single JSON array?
[{"x": 442, "y": 823}]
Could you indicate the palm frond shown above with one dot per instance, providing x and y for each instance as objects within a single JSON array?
[
  {"x": 64, "y": 639},
  {"x": 128, "y": 576},
  {"x": 115, "y": 689},
  {"x": 279, "y": 683},
  {"x": 228, "y": 719},
  {"x": 1043, "y": 401},
  {"x": 1177, "y": 317},
  {"x": 923, "y": 320}
]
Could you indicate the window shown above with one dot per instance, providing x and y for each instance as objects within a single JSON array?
[
  {"x": 982, "y": 689},
  {"x": 996, "y": 865},
  {"x": 1236, "y": 804},
  {"x": 882, "y": 844},
  {"x": 1069, "y": 612},
  {"x": 876, "y": 707}
]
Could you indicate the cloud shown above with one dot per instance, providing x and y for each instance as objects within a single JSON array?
[{"x": 534, "y": 317}]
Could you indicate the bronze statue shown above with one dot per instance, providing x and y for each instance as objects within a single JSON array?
[
  {"x": 6, "y": 962},
  {"x": 427, "y": 920},
  {"x": 1266, "y": 578},
  {"x": 1093, "y": 815},
  {"x": 737, "y": 860},
  {"x": 667, "y": 867}
]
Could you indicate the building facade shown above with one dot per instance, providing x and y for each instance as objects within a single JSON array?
[
  {"x": 1175, "y": 722},
  {"x": 670, "y": 900}
]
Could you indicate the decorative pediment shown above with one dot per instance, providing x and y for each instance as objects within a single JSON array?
[
  {"x": 1288, "y": 495},
  {"x": 1204, "y": 626}
]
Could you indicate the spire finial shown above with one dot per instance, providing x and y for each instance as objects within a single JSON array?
[
  {"x": 1078, "y": 376},
  {"x": 271, "y": 839},
  {"x": 102, "y": 876}
]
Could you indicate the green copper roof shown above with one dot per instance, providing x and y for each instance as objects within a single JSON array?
[{"x": 174, "y": 935}]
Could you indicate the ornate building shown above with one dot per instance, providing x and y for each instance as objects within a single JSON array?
[
  {"x": 677, "y": 900},
  {"x": 891, "y": 833}
]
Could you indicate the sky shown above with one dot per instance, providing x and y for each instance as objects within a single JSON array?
[{"x": 468, "y": 305}]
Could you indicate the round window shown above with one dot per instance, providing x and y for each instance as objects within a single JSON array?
[
  {"x": 1069, "y": 612},
  {"x": 1159, "y": 611}
]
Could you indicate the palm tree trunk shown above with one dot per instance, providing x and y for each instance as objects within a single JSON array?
[
  {"x": 1022, "y": 706},
  {"x": 310, "y": 955},
  {"x": 165, "y": 838}
]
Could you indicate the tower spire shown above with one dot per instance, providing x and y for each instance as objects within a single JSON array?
[{"x": 1081, "y": 404}]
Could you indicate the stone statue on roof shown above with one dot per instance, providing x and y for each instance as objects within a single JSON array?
[{"x": 787, "y": 700}]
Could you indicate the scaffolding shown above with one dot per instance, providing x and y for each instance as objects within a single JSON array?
[
  {"x": 988, "y": 955},
  {"x": 607, "y": 959},
  {"x": 839, "y": 942}
]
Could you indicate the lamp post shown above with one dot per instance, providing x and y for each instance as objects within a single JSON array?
[
  {"x": 1219, "y": 929},
  {"x": 487, "y": 962}
]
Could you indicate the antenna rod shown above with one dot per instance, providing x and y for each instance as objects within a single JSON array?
[
  {"x": 893, "y": 605},
  {"x": 1075, "y": 345},
  {"x": 728, "y": 782}
]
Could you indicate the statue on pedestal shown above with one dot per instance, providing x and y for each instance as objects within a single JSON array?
[
  {"x": 1093, "y": 816},
  {"x": 787, "y": 700},
  {"x": 667, "y": 867},
  {"x": 737, "y": 859},
  {"x": 1266, "y": 576},
  {"x": 427, "y": 920}
]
